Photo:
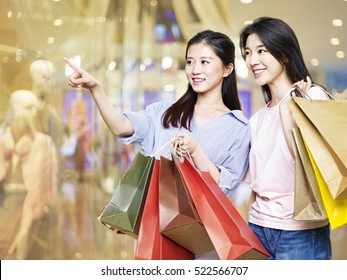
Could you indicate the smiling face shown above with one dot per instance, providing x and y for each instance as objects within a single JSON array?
[
  {"x": 265, "y": 68},
  {"x": 205, "y": 71}
]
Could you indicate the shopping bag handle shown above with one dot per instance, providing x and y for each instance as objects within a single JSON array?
[
  {"x": 300, "y": 93},
  {"x": 171, "y": 149},
  {"x": 166, "y": 147}
]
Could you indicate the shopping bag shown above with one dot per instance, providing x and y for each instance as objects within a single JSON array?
[
  {"x": 308, "y": 204},
  {"x": 124, "y": 210},
  {"x": 329, "y": 164},
  {"x": 335, "y": 209},
  {"x": 179, "y": 219},
  {"x": 330, "y": 119},
  {"x": 230, "y": 234},
  {"x": 151, "y": 244}
]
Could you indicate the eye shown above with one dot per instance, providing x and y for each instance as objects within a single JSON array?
[
  {"x": 247, "y": 52},
  {"x": 204, "y": 62},
  {"x": 262, "y": 51},
  {"x": 189, "y": 62}
]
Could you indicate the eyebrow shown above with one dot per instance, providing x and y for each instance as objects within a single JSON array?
[
  {"x": 257, "y": 47},
  {"x": 202, "y": 57}
]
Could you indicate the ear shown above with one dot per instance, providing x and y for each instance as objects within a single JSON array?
[{"x": 228, "y": 70}]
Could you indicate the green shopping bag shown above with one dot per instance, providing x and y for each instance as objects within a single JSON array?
[{"x": 124, "y": 210}]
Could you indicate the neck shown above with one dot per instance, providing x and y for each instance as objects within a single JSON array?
[{"x": 206, "y": 112}]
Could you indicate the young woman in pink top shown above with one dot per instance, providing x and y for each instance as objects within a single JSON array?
[{"x": 272, "y": 54}]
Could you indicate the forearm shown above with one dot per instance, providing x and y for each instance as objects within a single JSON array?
[
  {"x": 203, "y": 163},
  {"x": 81, "y": 79},
  {"x": 118, "y": 126}
]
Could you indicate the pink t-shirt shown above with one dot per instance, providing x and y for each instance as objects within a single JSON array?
[{"x": 272, "y": 171}]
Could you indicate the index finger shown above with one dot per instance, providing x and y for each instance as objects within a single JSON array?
[{"x": 71, "y": 63}]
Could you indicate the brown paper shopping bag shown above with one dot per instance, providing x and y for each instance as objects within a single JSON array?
[
  {"x": 179, "y": 219},
  {"x": 329, "y": 161},
  {"x": 330, "y": 119},
  {"x": 308, "y": 204}
]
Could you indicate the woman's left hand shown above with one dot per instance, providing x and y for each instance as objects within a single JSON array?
[{"x": 185, "y": 144}]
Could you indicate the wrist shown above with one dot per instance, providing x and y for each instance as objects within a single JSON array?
[
  {"x": 196, "y": 151},
  {"x": 96, "y": 87}
]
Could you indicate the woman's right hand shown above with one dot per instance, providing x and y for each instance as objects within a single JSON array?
[
  {"x": 303, "y": 85},
  {"x": 80, "y": 78}
]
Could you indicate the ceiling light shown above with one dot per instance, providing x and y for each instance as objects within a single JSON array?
[
  {"x": 50, "y": 40},
  {"x": 112, "y": 65},
  {"x": 167, "y": 62},
  {"x": 315, "y": 62},
  {"x": 246, "y": 1},
  {"x": 58, "y": 22},
  {"x": 337, "y": 22},
  {"x": 340, "y": 54},
  {"x": 154, "y": 3},
  {"x": 335, "y": 41}
]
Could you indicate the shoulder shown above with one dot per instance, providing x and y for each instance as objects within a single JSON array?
[
  {"x": 150, "y": 111},
  {"x": 256, "y": 115},
  {"x": 158, "y": 106},
  {"x": 316, "y": 92},
  {"x": 239, "y": 116}
]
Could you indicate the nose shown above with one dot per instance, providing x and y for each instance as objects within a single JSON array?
[
  {"x": 196, "y": 68},
  {"x": 253, "y": 59}
]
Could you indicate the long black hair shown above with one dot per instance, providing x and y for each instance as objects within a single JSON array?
[
  {"x": 181, "y": 112},
  {"x": 280, "y": 40}
]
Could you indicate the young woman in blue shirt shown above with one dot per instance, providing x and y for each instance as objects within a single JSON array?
[{"x": 207, "y": 119}]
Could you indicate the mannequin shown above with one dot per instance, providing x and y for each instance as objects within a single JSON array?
[
  {"x": 48, "y": 120},
  {"x": 36, "y": 157}
]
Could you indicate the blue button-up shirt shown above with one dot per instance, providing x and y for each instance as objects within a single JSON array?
[{"x": 225, "y": 140}]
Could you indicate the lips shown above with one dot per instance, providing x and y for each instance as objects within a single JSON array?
[
  {"x": 258, "y": 72},
  {"x": 197, "y": 81}
]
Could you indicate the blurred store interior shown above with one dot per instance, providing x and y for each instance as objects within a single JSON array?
[{"x": 136, "y": 49}]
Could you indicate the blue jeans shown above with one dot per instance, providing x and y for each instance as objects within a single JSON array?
[{"x": 311, "y": 244}]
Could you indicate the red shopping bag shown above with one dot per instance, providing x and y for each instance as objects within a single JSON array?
[
  {"x": 151, "y": 244},
  {"x": 178, "y": 218},
  {"x": 229, "y": 232}
]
